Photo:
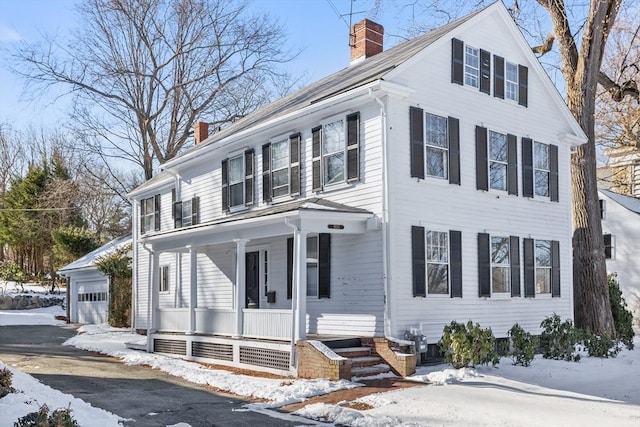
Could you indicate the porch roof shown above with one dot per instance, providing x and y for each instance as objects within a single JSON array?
[{"x": 312, "y": 215}]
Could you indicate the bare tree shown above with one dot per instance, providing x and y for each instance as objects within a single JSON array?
[{"x": 144, "y": 71}]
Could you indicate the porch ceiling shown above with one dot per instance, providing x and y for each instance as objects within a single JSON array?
[{"x": 308, "y": 215}]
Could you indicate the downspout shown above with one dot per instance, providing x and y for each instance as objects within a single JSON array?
[
  {"x": 385, "y": 219},
  {"x": 294, "y": 293}
]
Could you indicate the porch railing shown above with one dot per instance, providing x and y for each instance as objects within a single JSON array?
[
  {"x": 215, "y": 321},
  {"x": 173, "y": 319},
  {"x": 270, "y": 324}
]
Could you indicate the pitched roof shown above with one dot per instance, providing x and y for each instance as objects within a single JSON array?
[
  {"x": 89, "y": 260},
  {"x": 627, "y": 202},
  {"x": 355, "y": 75}
]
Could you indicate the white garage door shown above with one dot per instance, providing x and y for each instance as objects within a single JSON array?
[{"x": 93, "y": 302}]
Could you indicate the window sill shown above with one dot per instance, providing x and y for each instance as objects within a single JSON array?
[
  {"x": 281, "y": 199},
  {"x": 336, "y": 187},
  {"x": 239, "y": 208}
]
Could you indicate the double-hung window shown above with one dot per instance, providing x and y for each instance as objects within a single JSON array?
[
  {"x": 150, "y": 214},
  {"x": 471, "y": 66},
  {"x": 511, "y": 81},
  {"x": 186, "y": 212},
  {"x": 498, "y": 161},
  {"x": 543, "y": 266},
  {"x": 500, "y": 265},
  {"x": 312, "y": 266},
  {"x": 541, "y": 170},
  {"x": 335, "y": 152},
  {"x": 437, "y": 146},
  {"x": 437, "y": 262},
  {"x": 237, "y": 181},
  {"x": 318, "y": 266},
  {"x": 281, "y": 168},
  {"x": 609, "y": 246}
]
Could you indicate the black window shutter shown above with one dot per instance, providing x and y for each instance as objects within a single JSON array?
[
  {"x": 353, "y": 147},
  {"x": 529, "y": 268},
  {"x": 195, "y": 210},
  {"x": 555, "y": 268},
  {"x": 454, "y": 150},
  {"x": 482, "y": 172},
  {"x": 266, "y": 173},
  {"x": 527, "y": 167},
  {"x": 455, "y": 259},
  {"x": 290, "y": 268},
  {"x": 418, "y": 261},
  {"x": 416, "y": 129},
  {"x": 553, "y": 173},
  {"x": 316, "y": 136},
  {"x": 177, "y": 214},
  {"x": 225, "y": 185},
  {"x": 142, "y": 214},
  {"x": 512, "y": 164},
  {"x": 514, "y": 258},
  {"x": 457, "y": 61},
  {"x": 498, "y": 76},
  {"x": 485, "y": 72},
  {"x": 294, "y": 163},
  {"x": 156, "y": 212},
  {"x": 523, "y": 85},
  {"x": 248, "y": 179},
  {"x": 484, "y": 265},
  {"x": 173, "y": 200},
  {"x": 324, "y": 265},
  {"x": 603, "y": 208},
  {"x": 607, "y": 246}
]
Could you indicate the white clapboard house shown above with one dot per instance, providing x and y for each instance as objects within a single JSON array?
[{"x": 422, "y": 184}]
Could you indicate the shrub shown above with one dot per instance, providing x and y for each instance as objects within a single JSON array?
[
  {"x": 468, "y": 345},
  {"x": 598, "y": 346},
  {"x": 559, "y": 338},
  {"x": 622, "y": 317},
  {"x": 523, "y": 345},
  {"x": 5, "y": 382},
  {"x": 42, "y": 418}
]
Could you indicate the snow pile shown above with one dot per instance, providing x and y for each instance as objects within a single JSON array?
[
  {"x": 444, "y": 376},
  {"x": 349, "y": 417},
  {"x": 31, "y": 394},
  {"x": 36, "y": 316},
  {"x": 278, "y": 392}
]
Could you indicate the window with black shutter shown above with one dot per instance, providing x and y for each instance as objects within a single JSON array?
[
  {"x": 237, "y": 174},
  {"x": 555, "y": 268},
  {"x": 457, "y": 61},
  {"x": 353, "y": 149},
  {"x": 324, "y": 265},
  {"x": 150, "y": 214},
  {"x": 484, "y": 266},
  {"x": 512, "y": 166},
  {"x": 482, "y": 173},
  {"x": 498, "y": 77},
  {"x": 523, "y": 85},
  {"x": 514, "y": 248},
  {"x": 454, "y": 150},
  {"x": 455, "y": 257},
  {"x": 418, "y": 261},
  {"x": 266, "y": 173},
  {"x": 527, "y": 167},
  {"x": 416, "y": 130},
  {"x": 485, "y": 72},
  {"x": 609, "y": 246},
  {"x": 529, "y": 268}
]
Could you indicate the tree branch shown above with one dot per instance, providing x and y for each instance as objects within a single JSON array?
[{"x": 619, "y": 91}]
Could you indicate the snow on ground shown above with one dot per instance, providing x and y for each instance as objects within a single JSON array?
[
  {"x": 31, "y": 394},
  {"x": 36, "y": 316},
  {"x": 592, "y": 392}
]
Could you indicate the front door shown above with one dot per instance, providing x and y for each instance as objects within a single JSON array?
[{"x": 252, "y": 281}]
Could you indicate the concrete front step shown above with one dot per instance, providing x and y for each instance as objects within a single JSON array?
[
  {"x": 368, "y": 371},
  {"x": 351, "y": 352}
]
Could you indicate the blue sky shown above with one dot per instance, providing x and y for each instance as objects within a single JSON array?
[{"x": 311, "y": 25}]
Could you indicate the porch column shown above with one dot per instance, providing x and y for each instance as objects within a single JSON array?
[
  {"x": 154, "y": 266},
  {"x": 300, "y": 283},
  {"x": 193, "y": 288},
  {"x": 241, "y": 248}
]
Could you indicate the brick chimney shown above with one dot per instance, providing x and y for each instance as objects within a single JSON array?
[
  {"x": 201, "y": 131},
  {"x": 365, "y": 40}
]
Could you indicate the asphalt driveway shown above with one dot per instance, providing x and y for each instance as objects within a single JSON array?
[{"x": 144, "y": 396}]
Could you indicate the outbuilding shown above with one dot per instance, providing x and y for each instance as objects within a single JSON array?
[{"x": 88, "y": 288}]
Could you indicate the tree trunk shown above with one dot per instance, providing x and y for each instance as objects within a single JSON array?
[{"x": 591, "y": 291}]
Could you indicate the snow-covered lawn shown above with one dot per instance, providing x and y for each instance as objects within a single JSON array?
[{"x": 592, "y": 392}]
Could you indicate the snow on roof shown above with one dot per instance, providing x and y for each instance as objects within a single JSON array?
[
  {"x": 627, "y": 202},
  {"x": 89, "y": 259}
]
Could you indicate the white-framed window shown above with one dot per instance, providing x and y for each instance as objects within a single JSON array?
[
  {"x": 541, "y": 169},
  {"x": 471, "y": 66},
  {"x": 498, "y": 161},
  {"x": 437, "y": 258},
  {"x": 609, "y": 246},
  {"x": 312, "y": 266},
  {"x": 280, "y": 167},
  {"x": 333, "y": 152},
  {"x": 500, "y": 265},
  {"x": 543, "y": 266},
  {"x": 164, "y": 279},
  {"x": 187, "y": 217},
  {"x": 511, "y": 81},
  {"x": 147, "y": 214},
  {"x": 436, "y": 146},
  {"x": 236, "y": 181}
]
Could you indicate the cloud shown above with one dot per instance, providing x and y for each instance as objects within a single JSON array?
[{"x": 8, "y": 35}]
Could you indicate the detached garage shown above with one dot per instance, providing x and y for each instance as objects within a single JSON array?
[{"x": 87, "y": 288}]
